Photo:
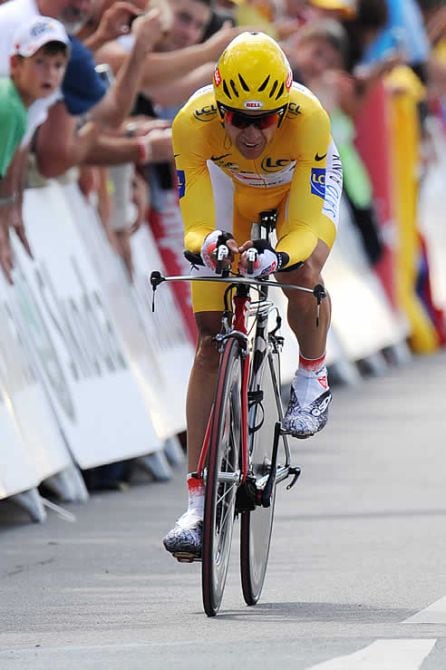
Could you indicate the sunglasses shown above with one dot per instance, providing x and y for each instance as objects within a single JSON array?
[{"x": 242, "y": 121}]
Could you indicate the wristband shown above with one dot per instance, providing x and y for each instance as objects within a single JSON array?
[{"x": 144, "y": 151}]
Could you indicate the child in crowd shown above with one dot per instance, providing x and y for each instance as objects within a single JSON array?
[{"x": 38, "y": 60}]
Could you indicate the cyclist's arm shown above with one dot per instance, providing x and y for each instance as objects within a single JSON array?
[
  {"x": 315, "y": 191},
  {"x": 195, "y": 191}
]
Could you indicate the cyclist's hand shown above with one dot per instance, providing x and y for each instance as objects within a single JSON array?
[
  {"x": 209, "y": 248},
  {"x": 264, "y": 261}
]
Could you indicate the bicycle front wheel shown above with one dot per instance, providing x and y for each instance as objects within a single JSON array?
[
  {"x": 256, "y": 525},
  {"x": 222, "y": 477}
]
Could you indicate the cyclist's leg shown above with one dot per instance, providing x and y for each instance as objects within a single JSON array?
[
  {"x": 186, "y": 535},
  {"x": 301, "y": 315},
  {"x": 310, "y": 395},
  {"x": 201, "y": 387}
]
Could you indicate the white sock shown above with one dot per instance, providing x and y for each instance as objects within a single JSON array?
[
  {"x": 310, "y": 380},
  {"x": 195, "y": 496}
]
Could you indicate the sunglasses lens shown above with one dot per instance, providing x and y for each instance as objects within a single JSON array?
[
  {"x": 267, "y": 120},
  {"x": 242, "y": 121},
  {"x": 238, "y": 119}
]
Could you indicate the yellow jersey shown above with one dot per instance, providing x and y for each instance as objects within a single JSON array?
[{"x": 299, "y": 174}]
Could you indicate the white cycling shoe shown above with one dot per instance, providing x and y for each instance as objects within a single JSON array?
[
  {"x": 185, "y": 538},
  {"x": 307, "y": 411}
]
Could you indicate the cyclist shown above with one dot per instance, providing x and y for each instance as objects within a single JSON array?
[{"x": 255, "y": 141}]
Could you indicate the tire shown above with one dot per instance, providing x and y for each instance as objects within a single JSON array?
[
  {"x": 256, "y": 525},
  {"x": 223, "y": 457}
]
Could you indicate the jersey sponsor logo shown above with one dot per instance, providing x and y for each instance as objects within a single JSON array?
[
  {"x": 318, "y": 182},
  {"x": 217, "y": 77},
  {"x": 218, "y": 159},
  {"x": 318, "y": 158},
  {"x": 293, "y": 109},
  {"x": 274, "y": 164},
  {"x": 206, "y": 113},
  {"x": 225, "y": 165},
  {"x": 253, "y": 104},
  {"x": 333, "y": 188},
  {"x": 181, "y": 183}
]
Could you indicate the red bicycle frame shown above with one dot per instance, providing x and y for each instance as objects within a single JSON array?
[{"x": 239, "y": 327}]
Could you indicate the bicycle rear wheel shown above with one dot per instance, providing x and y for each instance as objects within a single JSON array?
[
  {"x": 256, "y": 525},
  {"x": 222, "y": 478}
]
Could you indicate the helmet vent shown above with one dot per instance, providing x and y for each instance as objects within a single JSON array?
[
  {"x": 243, "y": 83},
  {"x": 273, "y": 89},
  {"x": 280, "y": 91},
  {"x": 226, "y": 90},
  {"x": 264, "y": 85},
  {"x": 234, "y": 88}
]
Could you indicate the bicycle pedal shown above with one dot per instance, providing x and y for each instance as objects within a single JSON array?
[
  {"x": 186, "y": 557},
  {"x": 298, "y": 437}
]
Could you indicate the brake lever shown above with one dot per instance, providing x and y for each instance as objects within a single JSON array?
[
  {"x": 222, "y": 253},
  {"x": 319, "y": 293},
  {"x": 156, "y": 278},
  {"x": 251, "y": 255}
]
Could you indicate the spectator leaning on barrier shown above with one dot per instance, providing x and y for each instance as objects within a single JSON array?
[
  {"x": 38, "y": 60},
  {"x": 186, "y": 21},
  {"x": 59, "y": 143},
  {"x": 107, "y": 112}
]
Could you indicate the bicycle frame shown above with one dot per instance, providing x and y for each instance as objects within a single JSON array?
[{"x": 239, "y": 330}]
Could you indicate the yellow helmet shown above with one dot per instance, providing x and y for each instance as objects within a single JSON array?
[{"x": 252, "y": 74}]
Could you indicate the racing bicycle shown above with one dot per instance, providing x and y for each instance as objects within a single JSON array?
[{"x": 245, "y": 452}]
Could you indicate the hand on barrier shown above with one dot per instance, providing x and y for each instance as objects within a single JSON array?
[
  {"x": 218, "y": 238},
  {"x": 18, "y": 226},
  {"x": 259, "y": 259},
  {"x": 155, "y": 146},
  {"x": 5, "y": 251}
]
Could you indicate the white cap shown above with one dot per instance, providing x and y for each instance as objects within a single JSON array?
[{"x": 34, "y": 34}]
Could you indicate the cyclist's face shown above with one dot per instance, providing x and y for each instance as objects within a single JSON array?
[{"x": 252, "y": 139}]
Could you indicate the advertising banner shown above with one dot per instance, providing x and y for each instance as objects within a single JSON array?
[
  {"x": 157, "y": 349},
  {"x": 74, "y": 342}
]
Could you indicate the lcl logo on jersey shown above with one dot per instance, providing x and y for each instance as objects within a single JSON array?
[
  {"x": 274, "y": 164},
  {"x": 206, "y": 113},
  {"x": 293, "y": 109},
  {"x": 318, "y": 182}
]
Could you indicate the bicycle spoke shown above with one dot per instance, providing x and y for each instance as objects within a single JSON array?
[{"x": 222, "y": 480}]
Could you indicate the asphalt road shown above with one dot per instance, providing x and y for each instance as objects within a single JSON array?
[{"x": 357, "y": 573}]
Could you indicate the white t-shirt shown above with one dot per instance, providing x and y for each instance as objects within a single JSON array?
[{"x": 12, "y": 15}]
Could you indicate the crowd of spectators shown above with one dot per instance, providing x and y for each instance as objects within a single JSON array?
[{"x": 130, "y": 65}]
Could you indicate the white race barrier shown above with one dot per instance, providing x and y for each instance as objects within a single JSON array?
[
  {"x": 32, "y": 448},
  {"x": 362, "y": 319},
  {"x": 432, "y": 214},
  {"x": 155, "y": 344},
  {"x": 73, "y": 340}
]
